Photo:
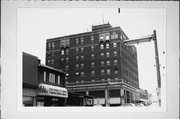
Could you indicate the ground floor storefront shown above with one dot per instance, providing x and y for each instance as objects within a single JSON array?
[
  {"x": 50, "y": 101},
  {"x": 107, "y": 95},
  {"x": 29, "y": 96},
  {"x": 49, "y": 95}
]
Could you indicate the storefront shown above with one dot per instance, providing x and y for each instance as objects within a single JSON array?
[
  {"x": 49, "y": 95},
  {"x": 29, "y": 96}
]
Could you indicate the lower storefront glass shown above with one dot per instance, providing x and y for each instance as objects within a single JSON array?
[
  {"x": 28, "y": 101},
  {"x": 50, "y": 101}
]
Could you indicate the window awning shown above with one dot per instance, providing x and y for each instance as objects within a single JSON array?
[{"x": 50, "y": 90}]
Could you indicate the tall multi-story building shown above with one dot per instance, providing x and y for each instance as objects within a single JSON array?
[{"x": 97, "y": 63}]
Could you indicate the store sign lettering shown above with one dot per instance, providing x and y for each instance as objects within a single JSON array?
[{"x": 48, "y": 91}]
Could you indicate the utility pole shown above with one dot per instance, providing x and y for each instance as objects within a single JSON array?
[
  {"x": 148, "y": 39},
  {"x": 157, "y": 68}
]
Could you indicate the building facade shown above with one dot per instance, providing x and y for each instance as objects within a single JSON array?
[
  {"x": 97, "y": 63},
  {"x": 42, "y": 85},
  {"x": 30, "y": 79}
]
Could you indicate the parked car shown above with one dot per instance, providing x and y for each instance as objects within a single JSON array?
[
  {"x": 97, "y": 106},
  {"x": 128, "y": 105},
  {"x": 139, "y": 105}
]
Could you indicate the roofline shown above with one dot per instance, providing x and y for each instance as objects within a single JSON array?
[
  {"x": 27, "y": 54},
  {"x": 48, "y": 67},
  {"x": 84, "y": 33},
  {"x": 123, "y": 32},
  {"x": 72, "y": 35}
]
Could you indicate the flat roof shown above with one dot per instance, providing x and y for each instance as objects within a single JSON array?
[{"x": 86, "y": 33}]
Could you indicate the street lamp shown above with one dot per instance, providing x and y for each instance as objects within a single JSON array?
[{"x": 148, "y": 39}]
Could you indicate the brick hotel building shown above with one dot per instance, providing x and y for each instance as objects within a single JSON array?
[{"x": 97, "y": 63}]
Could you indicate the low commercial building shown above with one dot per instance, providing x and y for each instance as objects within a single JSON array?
[
  {"x": 51, "y": 87},
  {"x": 30, "y": 79},
  {"x": 42, "y": 85}
]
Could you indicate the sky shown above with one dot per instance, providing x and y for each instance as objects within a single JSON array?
[{"x": 35, "y": 25}]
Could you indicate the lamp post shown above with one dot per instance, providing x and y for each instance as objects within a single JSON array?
[
  {"x": 148, "y": 39},
  {"x": 157, "y": 68}
]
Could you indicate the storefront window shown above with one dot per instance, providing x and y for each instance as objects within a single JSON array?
[
  {"x": 44, "y": 76},
  {"x": 58, "y": 79},
  {"x": 28, "y": 101}
]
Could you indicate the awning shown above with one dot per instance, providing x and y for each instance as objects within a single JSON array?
[{"x": 50, "y": 90}]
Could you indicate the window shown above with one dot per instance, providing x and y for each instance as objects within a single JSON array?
[
  {"x": 58, "y": 79},
  {"x": 92, "y": 39},
  {"x": 77, "y": 58},
  {"x": 115, "y": 62},
  {"x": 64, "y": 42},
  {"x": 102, "y": 72},
  {"x": 115, "y": 53},
  {"x": 108, "y": 63},
  {"x": 104, "y": 36},
  {"x": 101, "y": 46},
  {"x": 82, "y": 57},
  {"x": 77, "y": 41},
  {"x": 67, "y": 51},
  {"x": 77, "y": 66},
  {"x": 82, "y": 41},
  {"x": 52, "y": 54},
  {"x": 92, "y": 48},
  {"x": 108, "y": 79},
  {"x": 62, "y": 52},
  {"x": 49, "y": 54},
  {"x": 102, "y": 63},
  {"x": 53, "y": 45},
  {"x": 49, "y": 45},
  {"x": 44, "y": 76},
  {"x": 62, "y": 59},
  {"x": 92, "y": 64},
  {"x": 77, "y": 50},
  {"x": 92, "y": 56},
  {"x": 114, "y": 35},
  {"x": 108, "y": 71},
  {"x": 116, "y": 71},
  {"x": 54, "y": 77},
  {"x": 102, "y": 54},
  {"x": 52, "y": 61},
  {"x": 77, "y": 73},
  {"x": 82, "y": 49},
  {"x": 67, "y": 59},
  {"x": 107, "y": 45},
  {"x": 116, "y": 78},
  {"x": 82, "y": 66},
  {"x": 51, "y": 78},
  {"x": 82, "y": 74},
  {"x": 101, "y": 38},
  {"x": 121, "y": 37},
  {"x": 49, "y": 61},
  {"x": 92, "y": 73},
  {"x": 107, "y": 37},
  {"x": 114, "y": 45},
  {"x": 67, "y": 67},
  {"x": 107, "y": 54}
]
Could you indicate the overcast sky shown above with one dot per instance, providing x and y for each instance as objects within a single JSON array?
[{"x": 35, "y": 25}]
